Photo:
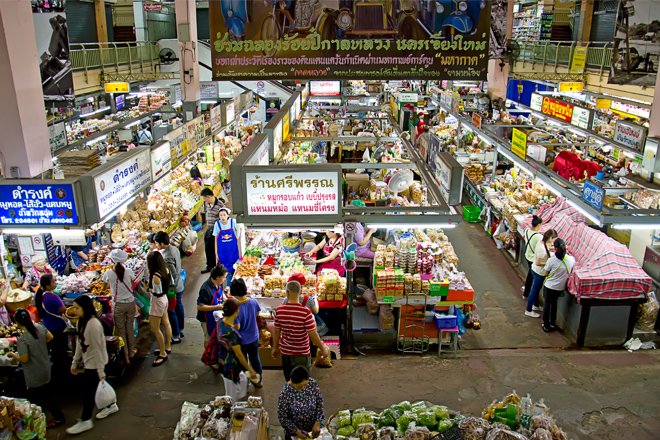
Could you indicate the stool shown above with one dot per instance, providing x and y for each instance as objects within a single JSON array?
[
  {"x": 451, "y": 344},
  {"x": 333, "y": 345}
]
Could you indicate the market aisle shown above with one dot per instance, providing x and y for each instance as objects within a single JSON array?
[{"x": 497, "y": 295}]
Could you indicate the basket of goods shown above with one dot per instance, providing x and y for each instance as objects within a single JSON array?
[{"x": 18, "y": 299}]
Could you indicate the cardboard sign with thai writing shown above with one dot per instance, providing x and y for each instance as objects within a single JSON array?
[
  {"x": 631, "y": 135},
  {"x": 377, "y": 40},
  {"x": 519, "y": 143},
  {"x": 581, "y": 117},
  {"x": 557, "y": 109},
  {"x": 292, "y": 193},
  {"x": 571, "y": 86}
]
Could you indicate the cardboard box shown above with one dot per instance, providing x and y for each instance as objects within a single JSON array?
[{"x": 267, "y": 360}]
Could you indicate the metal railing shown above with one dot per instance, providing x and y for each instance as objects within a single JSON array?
[
  {"x": 560, "y": 53},
  {"x": 111, "y": 56}
]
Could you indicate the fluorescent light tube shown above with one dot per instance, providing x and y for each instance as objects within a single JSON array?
[
  {"x": 208, "y": 101},
  {"x": 97, "y": 111},
  {"x": 635, "y": 226},
  {"x": 585, "y": 213},
  {"x": 410, "y": 226},
  {"x": 95, "y": 140},
  {"x": 25, "y": 231},
  {"x": 133, "y": 124}
]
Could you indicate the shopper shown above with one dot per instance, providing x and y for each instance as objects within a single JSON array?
[
  {"x": 362, "y": 238},
  {"x": 51, "y": 311},
  {"x": 210, "y": 299},
  {"x": 231, "y": 359},
  {"x": 33, "y": 275},
  {"x": 92, "y": 351},
  {"x": 33, "y": 355},
  {"x": 152, "y": 243},
  {"x": 226, "y": 236},
  {"x": 120, "y": 279},
  {"x": 172, "y": 257},
  {"x": 159, "y": 283},
  {"x": 557, "y": 269},
  {"x": 531, "y": 237},
  {"x": 541, "y": 256},
  {"x": 294, "y": 328},
  {"x": 212, "y": 208},
  {"x": 300, "y": 406},
  {"x": 80, "y": 254},
  {"x": 332, "y": 245},
  {"x": 247, "y": 321}
]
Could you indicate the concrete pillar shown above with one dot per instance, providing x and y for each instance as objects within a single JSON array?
[
  {"x": 24, "y": 142},
  {"x": 498, "y": 76},
  {"x": 654, "y": 120},
  {"x": 186, "y": 23},
  {"x": 586, "y": 16},
  {"x": 140, "y": 20},
  {"x": 101, "y": 23}
]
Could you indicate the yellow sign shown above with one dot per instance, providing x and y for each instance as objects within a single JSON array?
[
  {"x": 603, "y": 104},
  {"x": 519, "y": 143},
  {"x": 285, "y": 126},
  {"x": 579, "y": 60},
  {"x": 117, "y": 87},
  {"x": 571, "y": 86}
]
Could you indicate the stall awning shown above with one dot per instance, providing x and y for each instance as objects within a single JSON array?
[{"x": 604, "y": 268}]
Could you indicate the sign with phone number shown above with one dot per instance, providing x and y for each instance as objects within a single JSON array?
[{"x": 593, "y": 194}]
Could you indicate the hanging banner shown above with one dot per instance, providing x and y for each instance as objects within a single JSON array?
[
  {"x": 631, "y": 135},
  {"x": 571, "y": 86},
  {"x": 636, "y": 50},
  {"x": 25, "y": 203},
  {"x": 376, "y": 40},
  {"x": 292, "y": 193},
  {"x": 557, "y": 109},
  {"x": 519, "y": 143},
  {"x": 216, "y": 118},
  {"x": 578, "y": 62},
  {"x": 52, "y": 37}
]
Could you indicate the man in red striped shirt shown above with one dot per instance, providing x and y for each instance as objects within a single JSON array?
[{"x": 294, "y": 327}]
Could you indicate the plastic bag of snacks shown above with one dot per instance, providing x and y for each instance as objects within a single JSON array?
[
  {"x": 647, "y": 313},
  {"x": 415, "y": 432},
  {"x": 504, "y": 434},
  {"x": 367, "y": 431},
  {"x": 386, "y": 318},
  {"x": 473, "y": 428},
  {"x": 344, "y": 418},
  {"x": 322, "y": 361}
]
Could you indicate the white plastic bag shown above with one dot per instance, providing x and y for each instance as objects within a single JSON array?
[
  {"x": 105, "y": 395},
  {"x": 237, "y": 390}
]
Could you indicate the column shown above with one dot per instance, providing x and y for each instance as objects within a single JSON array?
[
  {"x": 25, "y": 147},
  {"x": 141, "y": 31},
  {"x": 186, "y": 24},
  {"x": 586, "y": 17},
  {"x": 101, "y": 23},
  {"x": 498, "y": 74},
  {"x": 654, "y": 120}
]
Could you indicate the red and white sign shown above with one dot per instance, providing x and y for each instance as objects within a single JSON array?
[
  {"x": 476, "y": 119},
  {"x": 153, "y": 7},
  {"x": 631, "y": 109},
  {"x": 216, "y": 118},
  {"x": 325, "y": 88},
  {"x": 558, "y": 109},
  {"x": 292, "y": 194},
  {"x": 350, "y": 227}
]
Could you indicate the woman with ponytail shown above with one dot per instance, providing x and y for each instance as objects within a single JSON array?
[
  {"x": 541, "y": 255},
  {"x": 120, "y": 279},
  {"x": 51, "y": 311},
  {"x": 33, "y": 354},
  {"x": 557, "y": 269}
]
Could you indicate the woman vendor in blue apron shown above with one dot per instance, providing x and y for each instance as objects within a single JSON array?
[
  {"x": 210, "y": 299},
  {"x": 225, "y": 232},
  {"x": 80, "y": 254}
]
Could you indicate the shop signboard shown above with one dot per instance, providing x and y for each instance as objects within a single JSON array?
[
  {"x": 277, "y": 136},
  {"x": 304, "y": 93},
  {"x": 296, "y": 109},
  {"x": 216, "y": 118},
  {"x": 424, "y": 146},
  {"x": 449, "y": 174},
  {"x": 476, "y": 119},
  {"x": 260, "y": 155},
  {"x": 56, "y": 254},
  {"x": 117, "y": 87},
  {"x": 200, "y": 131},
  {"x": 57, "y": 136},
  {"x": 571, "y": 86},
  {"x": 208, "y": 90},
  {"x": 579, "y": 60},
  {"x": 631, "y": 135},
  {"x": 272, "y": 107},
  {"x": 178, "y": 144},
  {"x": 631, "y": 109},
  {"x": 152, "y": 7},
  {"x": 408, "y": 97},
  {"x": 161, "y": 161},
  {"x": 230, "y": 112},
  {"x": 121, "y": 181},
  {"x": 191, "y": 144},
  {"x": 325, "y": 88},
  {"x": 49, "y": 203},
  {"x": 373, "y": 45},
  {"x": 177, "y": 93},
  {"x": 292, "y": 193},
  {"x": 519, "y": 143},
  {"x": 593, "y": 194},
  {"x": 557, "y": 109},
  {"x": 581, "y": 117},
  {"x": 603, "y": 104},
  {"x": 434, "y": 149},
  {"x": 455, "y": 102},
  {"x": 536, "y": 102}
]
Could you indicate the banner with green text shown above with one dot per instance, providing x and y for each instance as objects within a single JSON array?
[{"x": 348, "y": 39}]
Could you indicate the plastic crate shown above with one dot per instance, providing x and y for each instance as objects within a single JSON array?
[
  {"x": 439, "y": 288},
  {"x": 471, "y": 213},
  {"x": 452, "y": 433},
  {"x": 446, "y": 321}
]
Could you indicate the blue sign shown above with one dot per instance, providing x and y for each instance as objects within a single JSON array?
[
  {"x": 56, "y": 254},
  {"x": 119, "y": 100},
  {"x": 29, "y": 204},
  {"x": 593, "y": 194}
]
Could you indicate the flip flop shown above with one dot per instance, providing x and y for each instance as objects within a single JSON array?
[
  {"x": 55, "y": 423},
  {"x": 157, "y": 352},
  {"x": 158, "y": 364}
]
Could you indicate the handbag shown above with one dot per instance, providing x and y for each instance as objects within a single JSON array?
[{"x": 171, "y": 295}]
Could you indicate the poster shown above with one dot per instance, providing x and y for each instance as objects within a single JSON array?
[
  {"x": 577, "y": 63},
  {"x": 216, "y": 118},
  {"x": 272, "y": 107},
  {"x": 636, "y": 43},
  {"x": 289, "y": 193},
  {"x": 350, "y": 39},
  {"x": 581, "y": 117},
  {"x": 208, "y": 90},
  {"x": 57, "y": 136},
  {"x": 325, "y": 88},
  {"x": 498, "y": 21},
  {"x": 38, "y": 204},
  {"x": 519, "y": 143},
  {"x": 53, "y": 51}
]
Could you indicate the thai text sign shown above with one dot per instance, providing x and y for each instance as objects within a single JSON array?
[
  {"x": 325, "y": 88},
  {"x": 558, "y": 109},
  {"x": 519, "y": 143},
  {"x": 593, "y": 194},
  {"x": 631, "y": 135},
  {"x": 377, "y": 40},
  {"x": 43, "y": 204},
  {"x": 216, "y": 118},
  {"x": 581, "y": 117},
  {"x": 161, "y": 161},
  {"x": 121, "y": 182},
  {"x": 536, "y": 103},
  {"x": 579, "y": 60},
  {"x": 292, "y": 193}
]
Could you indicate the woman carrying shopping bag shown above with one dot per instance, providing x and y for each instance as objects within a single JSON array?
[
  {"x": 557, "y": 270},
  {"x": 91, "y": 350},
  {"x": 120, "y": 279}
]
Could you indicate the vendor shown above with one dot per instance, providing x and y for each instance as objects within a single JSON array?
[
  {"x": 4, "y": 293},
  {"x": 362, "y": 238},
  {"x": 210, "y": 299},
  {"x": 80, "y": 254},
  {"x": 226, "y": 236},
  {"x": 333, "y": 247},
  {"x": 51, "y": 311},
  {"x": 33, "y": 275},
  {"x": 212, "y": 208}
]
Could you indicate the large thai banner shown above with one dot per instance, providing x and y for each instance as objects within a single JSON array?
[{"x": 344, "y": 39}]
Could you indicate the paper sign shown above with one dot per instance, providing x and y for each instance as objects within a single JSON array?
[
  {"x": 25, "y": 245},
  {"x": 388, "y": 299},
  {"x": 350, "y": 227},
  {"x": 579, "y": 60},
  {"x": 603, "y": 104},
  {"x": 571, "y": 86},
  {"x": 38, "y": 242},
  {"x": 519, "y": 143}
]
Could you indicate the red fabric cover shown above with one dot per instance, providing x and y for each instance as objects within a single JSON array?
[{"x": 569, "y": 165}]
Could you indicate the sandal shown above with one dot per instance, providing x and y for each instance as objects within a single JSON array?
[
  {"x": 160, "y": 360},
  {"x": 133, "y": 353},
  {"x": 547, "y": 329},
  {"x": 52, "y": 423},
  {"x": 157, "y": 352}
]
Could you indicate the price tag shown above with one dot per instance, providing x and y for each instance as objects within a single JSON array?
[{"x": 388, "y": 299}]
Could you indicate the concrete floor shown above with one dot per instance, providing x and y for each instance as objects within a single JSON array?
[{"x": 592, "y": 394}]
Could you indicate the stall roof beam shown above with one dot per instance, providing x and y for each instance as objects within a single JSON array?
[
  {"x": 137, "y": 77},
  {"x": 377, "y": 166},
  {"x": 344, "y": 139},
  {"x": 548, "y": 76}
]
